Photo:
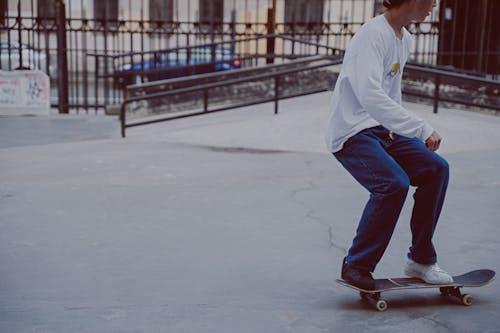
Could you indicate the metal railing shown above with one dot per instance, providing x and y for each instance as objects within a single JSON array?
[
  {"x": 443, "y": 86},
  {"x": 188, "y": 81},
  {"x": 274, "y": 94},
  {"x": 433, "y": 84}
]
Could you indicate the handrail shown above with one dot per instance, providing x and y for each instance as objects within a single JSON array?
[
  {"x": 223, "y": 83},
  {"x": 443, "y": 72},
  {"x": 206, "y": 86},
  {"x": 438, "y": 74}
]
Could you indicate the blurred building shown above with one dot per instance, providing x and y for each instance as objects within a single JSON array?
[
  {"x": 305, "y": 12},
  {"x": 470, "y": 35},
  {"x": 99, "y": 36}
]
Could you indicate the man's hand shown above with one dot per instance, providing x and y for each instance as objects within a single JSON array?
[{"x": 433, "y": 142}]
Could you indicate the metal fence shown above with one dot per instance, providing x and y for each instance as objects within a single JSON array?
[{"x": 77, "y": 42}]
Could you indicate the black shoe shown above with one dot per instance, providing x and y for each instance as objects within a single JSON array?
[{"x": 357, "y": 277}]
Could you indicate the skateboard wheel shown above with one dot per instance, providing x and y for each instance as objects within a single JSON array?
[
  {"x": 381, "y": 305},
  {"x": 466, "y": 299}
]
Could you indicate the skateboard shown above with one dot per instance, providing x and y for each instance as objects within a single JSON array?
[{"x": 475, "y": 278}]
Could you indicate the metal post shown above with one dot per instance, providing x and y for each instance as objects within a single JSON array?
[
  {"x": 62, "y": 58},
  {"x": 271, "y": 19},
  {"x": 233, "y": 30},
  {"x": 122, "y": 118},
  {"x": 437, "y": 83},
  {"x": 212, "y": 35},
  {"x": 276, "y": 94},
  {"x": 19, "y": 37},
  {"x": 106, "y": 15},
  {"x": 205, "y": 100}
]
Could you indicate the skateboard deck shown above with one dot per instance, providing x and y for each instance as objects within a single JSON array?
[{"x": 475, "y": 278}]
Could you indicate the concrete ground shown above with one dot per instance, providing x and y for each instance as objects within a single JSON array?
[{"x": 231, "y": 222}]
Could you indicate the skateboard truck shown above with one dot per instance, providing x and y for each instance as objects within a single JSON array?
[
  {"x": 455, "y": 292},
  {"x": 374, "y": 299}
]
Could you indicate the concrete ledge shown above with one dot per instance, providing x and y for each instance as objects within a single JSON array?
[{"x": 112, "y": 110}]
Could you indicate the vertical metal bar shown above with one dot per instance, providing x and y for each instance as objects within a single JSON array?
[
  {"x": 85, "y": 63},
  {"x": 189, "y": 23},
  {"x": 9, "y": 62},
  {"x": 19, "y": 35},
  {"x": 31, "y": 39},
  {"x": 276, "y": 94},
  {"x": 46, "y": 37},
  {"x": 62, "y": 58},
  {"x": 122, "y": 119},
  {"x": 73, "y": 63},
  {"x": 107, "y": 13},
  {"x": 97, "y": 82},
  {"x": 437, "y": 84},
  {"x": 205, "y": 100},
  {"x": 233, "y": 27},
  {"x": 270, "y": 31},
  {"x": 143, "y": 30}
]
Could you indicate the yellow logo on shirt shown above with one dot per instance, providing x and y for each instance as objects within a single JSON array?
[{"x": 395, "y": 69}]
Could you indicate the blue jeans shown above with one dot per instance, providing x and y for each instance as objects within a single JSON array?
[{"x": 386, "y": 169}]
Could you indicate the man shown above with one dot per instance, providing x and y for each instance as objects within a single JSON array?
[{"x": 385, "y": 147}]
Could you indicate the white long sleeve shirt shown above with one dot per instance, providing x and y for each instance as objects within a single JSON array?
[{"x": 368, "y": 89}]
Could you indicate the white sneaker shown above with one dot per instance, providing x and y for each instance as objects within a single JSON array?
[{"x": 429, "y": 273}]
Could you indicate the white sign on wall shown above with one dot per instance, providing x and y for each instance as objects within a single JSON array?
[{"x": 24, "y": 92}]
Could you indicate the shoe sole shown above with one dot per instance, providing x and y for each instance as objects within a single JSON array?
[{"x": 414, "y": 274}]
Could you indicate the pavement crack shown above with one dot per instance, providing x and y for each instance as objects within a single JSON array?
[
  {"x": 332, "y": 242},
  {"x": 312, "y": 216}
]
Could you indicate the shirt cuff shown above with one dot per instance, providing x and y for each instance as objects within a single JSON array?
[{"x": 426, "y": 132}]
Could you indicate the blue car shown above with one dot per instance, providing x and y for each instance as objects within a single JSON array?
[{"x": 175, "y": 63}]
